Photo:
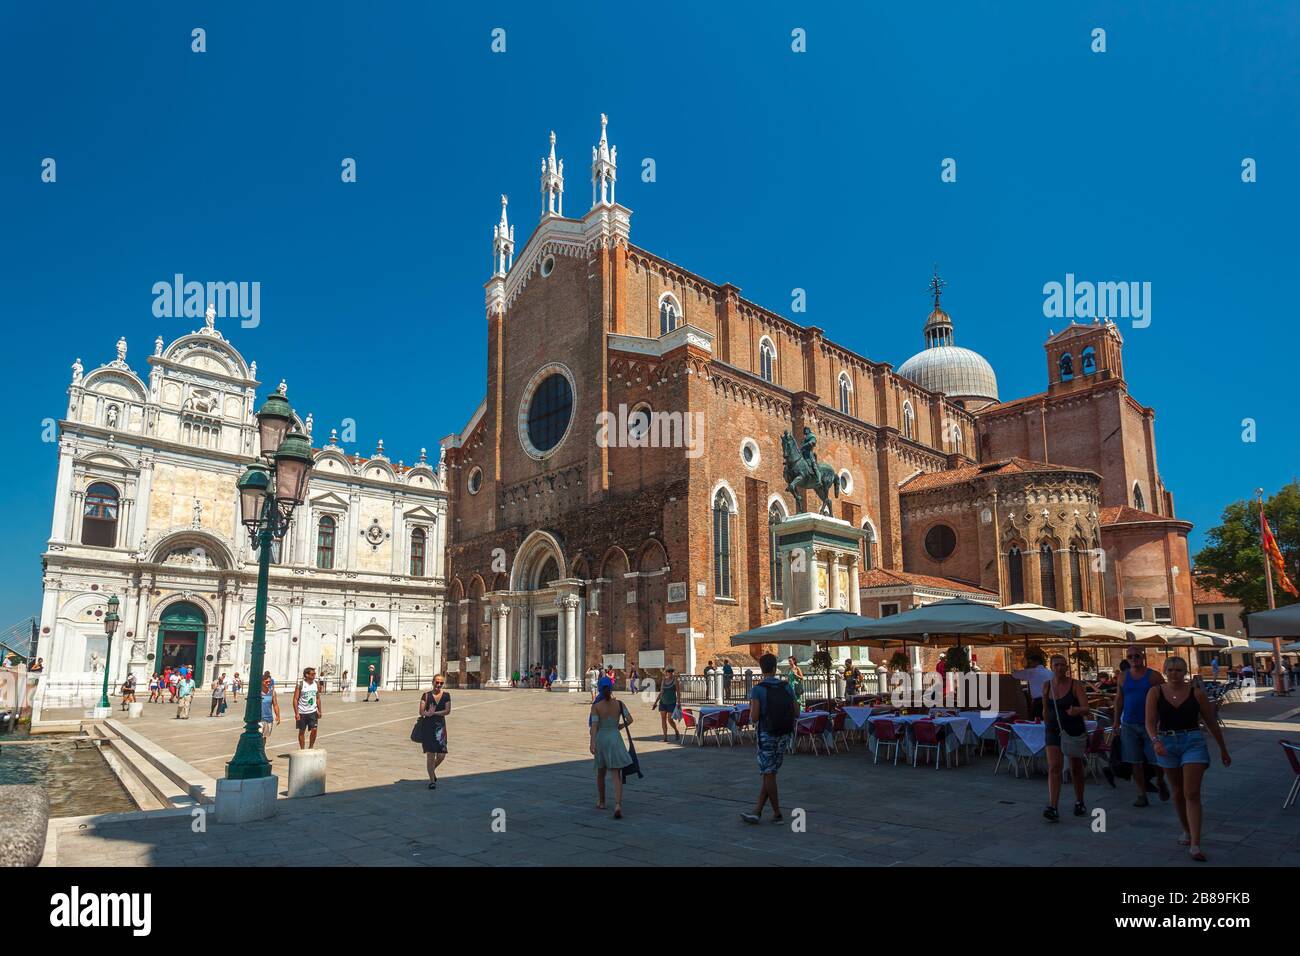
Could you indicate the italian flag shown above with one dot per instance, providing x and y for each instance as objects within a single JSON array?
[{"x": 1275, "y": 555}]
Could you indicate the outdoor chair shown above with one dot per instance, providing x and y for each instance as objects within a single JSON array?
[
  {"x": 884, "y": 734},
  {"x": 926, "y": 735},
  {"x": 837, "y": 730},
  {"x": 1006, "y": 748},
  {"x": 689, "y": 722},
  {"x": 1292, "y": 752},
  {"x": 743, "y": 725},
  {"x": 1096, "y": 752},
  {"x": 718, "y": 725},
  {"x": 811, "y": 729}
]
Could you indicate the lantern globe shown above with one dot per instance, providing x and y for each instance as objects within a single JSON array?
[
  {"x": 293, "y": 463},
  {"x": 252, "y": 484},
  {"x": 273, "y": 421}
]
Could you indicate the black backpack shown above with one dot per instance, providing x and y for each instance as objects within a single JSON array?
[{"x": 777, "y": 717}]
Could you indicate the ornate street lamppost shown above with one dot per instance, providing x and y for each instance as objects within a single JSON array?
[
  {"x": 110, "y": 626},
  {"x": 267, "y": 497}
]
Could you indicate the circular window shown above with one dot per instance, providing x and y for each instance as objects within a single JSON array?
[
  {"x": 548, "y": 266},
  {"x": 546, "y": 411},
  {"x": 846, "y": 482},
  {"x": 940, "y": 542},
  {"x": 475, "y": 481},
  {"x": 749, "y": 453}
]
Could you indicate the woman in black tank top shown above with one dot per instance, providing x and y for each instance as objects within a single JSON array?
[
  {"x": 1064, "y": 710},
  {"x": 1174, "y": 712}
]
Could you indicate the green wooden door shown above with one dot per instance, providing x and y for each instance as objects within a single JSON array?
[
  {"x": 365, "y": 658},
  {"x": 182, "y": 639}
]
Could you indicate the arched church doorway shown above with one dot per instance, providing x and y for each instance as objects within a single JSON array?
[{"x": 182, "y": 633}]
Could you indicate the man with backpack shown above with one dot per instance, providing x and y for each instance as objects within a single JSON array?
[{"x": 772, "y": 710}]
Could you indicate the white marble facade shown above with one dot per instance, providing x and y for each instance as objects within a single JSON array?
[{"x": 145, "y": 507}]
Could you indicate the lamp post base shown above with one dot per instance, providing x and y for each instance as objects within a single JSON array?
[
  {"x": 243, "y": 801},
  {"x": 249, "y": 762}
]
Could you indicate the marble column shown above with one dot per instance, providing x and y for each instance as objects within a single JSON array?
[
  {"x": 63, "y": 485},
  {"x": 495, "y": 678},
  {"x": 810, "y": 578},
  {"x": 833, "y": 598},
  {"x": 855, "y": 595},
  {"x": 568, "y": 605}
]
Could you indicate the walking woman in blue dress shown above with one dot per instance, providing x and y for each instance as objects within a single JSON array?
[{"x": 608, "y": 718}]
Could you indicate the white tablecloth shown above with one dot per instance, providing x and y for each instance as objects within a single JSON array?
[
  {"x": 981, "y": 727},
  {"x": 1033, "y": 737},
  {"x": 858, "y": 717},
  {"x": 956, "y": 727}
]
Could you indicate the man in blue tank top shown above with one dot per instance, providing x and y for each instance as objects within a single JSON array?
[{"x": 1130, "y": 711}]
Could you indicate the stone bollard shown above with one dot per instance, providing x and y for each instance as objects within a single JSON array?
[
  {"x": 134, "y": 710},
  {"x": 23, "y": 824},
  {"x": 307, "y": 773},
  {"x": 243, "y": 801}
]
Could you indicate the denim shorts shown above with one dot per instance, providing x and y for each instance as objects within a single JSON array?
[
  {"x": 1182, "y": 748},
  {"x": 771, "y": 751},
  {"x": 1135, "y": 745}
]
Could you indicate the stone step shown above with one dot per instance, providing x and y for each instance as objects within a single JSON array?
[{"x": 198, "y": 786}]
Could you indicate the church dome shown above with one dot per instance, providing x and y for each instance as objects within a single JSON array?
[
  {"x": 958, "y": 372},
  {"x": 944, "y": 367}
]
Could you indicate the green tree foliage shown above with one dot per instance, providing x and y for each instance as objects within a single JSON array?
[{"x": 1232, "y": 560}]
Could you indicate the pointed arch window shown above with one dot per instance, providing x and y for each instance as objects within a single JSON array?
[
  {"x": 325, "y": 533},
  {"x": 418, "y": 542},
  {"x": 766, "y": 359},
  {"x": 721, "y": 545},
  {"x": 669, "y": 314},
  {"x": 846, "y": 394},
  {"x": 1016, "y": 576},
  {"x": 1047, "y": 574},
  {"x": 909, "y": 421},
  {"x": 1138, "y": 501},
  {"x": 868, "y": 546},
  {"x": 1076, "y": 578},
  {"x": 775, "y": 515}
]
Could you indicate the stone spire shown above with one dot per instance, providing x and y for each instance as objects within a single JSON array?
[
  {"x": 604, "y": 168},
  {"x": 552, "y": 184},
  {"x": 503, "y": 243}
]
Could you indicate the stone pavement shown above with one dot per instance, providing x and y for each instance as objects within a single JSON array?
[{"x": 519, "y": 759}]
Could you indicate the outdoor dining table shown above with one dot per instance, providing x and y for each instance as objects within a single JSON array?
[
  {"x": 810, "y": 715},
  {"x": 858, "y": 717},
  {"x": 1032, "y": 738},
  {"x": 956, "y": 727},
  {"x": 714, "y": 709},
  {"x": 981, "y": 726}
]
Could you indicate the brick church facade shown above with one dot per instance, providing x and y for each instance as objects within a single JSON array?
[{"x": 613, "y": 495}]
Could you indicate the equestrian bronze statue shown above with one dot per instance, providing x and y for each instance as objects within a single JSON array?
[{"x": 803, "y": 470}]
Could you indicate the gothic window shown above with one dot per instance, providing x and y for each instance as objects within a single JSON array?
[
  {"x": 868, "y": 546},
  {"x": 766, "y": 359},
  {"x": 99, "y": 519},
  {"x": 1076, "y": 578},
  {"x": 956, "y": 437},
  {"x": 417, "y": 553},
  {"x": 909, "y": 421},
  {"x": 1016, "y": 576},
  {"x": 1047, "y": 574},
  {"x": 775, "y": 515},
  {"x": 550, "y": 571},
  {"x": 1089, "y": 360},
  {"x": 1138, "y": 501},
  {"x": 721, "y": 545},
  {"x": 846, "y": 394},
  {"x": 1066, "y": 366},
  {"x": 325, "y": 542},
  {"x": 669, "y": 314},
  {"x": 638, "y": 423}
]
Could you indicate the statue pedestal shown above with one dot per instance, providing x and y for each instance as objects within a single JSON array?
[{"x": 819, "y": 559}]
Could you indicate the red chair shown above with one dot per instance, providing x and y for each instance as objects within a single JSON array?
[
  {"x": 690, "y": 722},
  {"x": 1293, "y": 755},
  {"x": 717, "y": 723},
  {"x": 743, "y": 726},
  {"x": 812, "y": 729},
  {"x": 926, "y": 735},
  {"x": 884, "y": 734},
  {"x": 837, "y": 730},
  {"x": 1005, "y": 737}
]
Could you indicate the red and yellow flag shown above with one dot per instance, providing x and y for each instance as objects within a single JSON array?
[{"x": 1275, "y": 555}]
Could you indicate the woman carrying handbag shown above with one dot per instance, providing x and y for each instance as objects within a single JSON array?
[
  {"x": 430, "y": 730},
  {"x": 1065, "y": 709}
]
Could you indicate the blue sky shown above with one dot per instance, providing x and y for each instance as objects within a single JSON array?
[{"x": 775, "y": 170}]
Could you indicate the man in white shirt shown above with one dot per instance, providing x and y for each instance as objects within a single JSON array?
[
  {"x": 1035, "y": 676},
  {"x": 306, "y": 706}
]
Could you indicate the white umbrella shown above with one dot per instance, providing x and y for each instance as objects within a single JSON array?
[
  {"x": 1093, "y": 628},
  {"x": 826, "y": 626},
  {"x": 1280, "y": 622},
  {"x": 964, "y": 619}
]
